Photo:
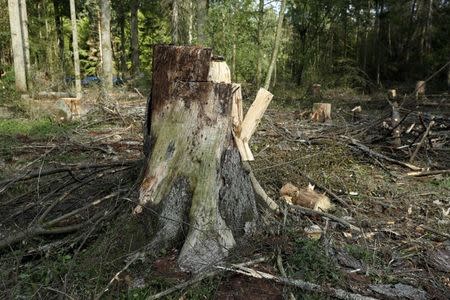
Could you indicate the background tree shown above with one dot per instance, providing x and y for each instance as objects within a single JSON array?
[
  {"x": 76, "y": 58},
  {"x": 107, "y": 62},
  {"x": 18, "y": 45}
]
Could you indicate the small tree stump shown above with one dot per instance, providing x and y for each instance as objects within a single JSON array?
[
  {"x": 321, "y": 112},
  {"x": 315, "y": 89},
  {"x": 392, "y": 94},
  {"x": 420, "y": 89},
  {"x": 193, "y": 178},
  {"x": 395, "y": 123}
]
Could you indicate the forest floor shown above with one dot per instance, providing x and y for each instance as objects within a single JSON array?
[{"x": 66, "y": 189}]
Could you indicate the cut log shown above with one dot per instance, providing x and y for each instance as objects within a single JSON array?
[
  {"x": 420, "y": 89},
  {"x": 193, "y": 178},
  {"x": 321, "y": 112}
]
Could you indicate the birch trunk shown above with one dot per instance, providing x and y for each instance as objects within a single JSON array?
[
  {"x": 259, "y": 42},
  {"x": 202, "y": 17},
  {"x": 76, "y": 57},
  {"x": 26, "y": 43},
  {"x": 17, "y": 45},
  {"x": 175, "y": 22},
  {"x": 107, "y": 63},
  {"x": 135, "y": 61},
  {"x": 276, "y": 46}
]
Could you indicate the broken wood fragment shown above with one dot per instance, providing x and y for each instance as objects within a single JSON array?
[{"x": 255, "y": 113}]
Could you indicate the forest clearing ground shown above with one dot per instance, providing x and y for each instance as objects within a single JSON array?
[{"x": 387, "y": 205}]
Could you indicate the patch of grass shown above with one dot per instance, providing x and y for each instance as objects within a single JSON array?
[
  {"x": 362, "y": 253},
  {"x": 311, "y": 263},
  {"x": 39, "y": 128}
]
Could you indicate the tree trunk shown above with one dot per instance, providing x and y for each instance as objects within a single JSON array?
[
  {"x": 107, "y": 65},
  {"x": 193, "y": 177},
  {"x": 76, "y": 57},
  {"x": 190, "y": 21},
  {"x": 26, "y": 43},
  {"x": 123, "y": 52},
  {"x": 259, "y": 42},
  {"x": 276, "y": 46},
  {"x": 136, "y": 64},
  {"x": 59, "y": 31},
  {"x": 202, "y": 17},
  {"x": 175, "y": 22},
  {"x": 17, "y": 45}
]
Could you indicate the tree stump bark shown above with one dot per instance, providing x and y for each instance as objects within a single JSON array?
[{"x": 193, "y": 178}]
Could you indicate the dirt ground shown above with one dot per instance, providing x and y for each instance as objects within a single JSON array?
[{"x": 56, "y": 176}]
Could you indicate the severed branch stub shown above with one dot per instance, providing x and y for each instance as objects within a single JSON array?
[{"x": 193, "y": 179}]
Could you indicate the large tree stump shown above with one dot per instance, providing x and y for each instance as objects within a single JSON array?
[{"x": 193, "y": 178}]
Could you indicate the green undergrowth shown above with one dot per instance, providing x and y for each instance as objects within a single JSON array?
[
  {"x": 39, "y": 128},
  {"x": 310, "y": 262}
]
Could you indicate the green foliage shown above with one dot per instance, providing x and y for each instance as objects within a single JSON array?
[
  {"x": 8, "y": 94},
  {"x": 310, "y": 263},
  {"x": 39, "y": 128}
]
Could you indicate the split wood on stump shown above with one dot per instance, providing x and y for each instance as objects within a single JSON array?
[
  {"x": 321, "y": 112},
  {"x": 195, "y": 191}
]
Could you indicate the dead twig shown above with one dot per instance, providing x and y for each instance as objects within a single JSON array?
[
  {"x": 200, "y": 278},
  {"x": 428, "y": 173},
  {"x": 312, "y": 212},
  {"x": 427, "y": 228},
  {"x": 67, "y": 169},
  {"x": 304, "y": 285}
]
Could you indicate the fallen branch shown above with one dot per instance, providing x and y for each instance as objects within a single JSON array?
[
  {"x": 427, "y": 228},
  {"x": 312, "y": 212},
  {"x": 372, "y": 153},
  {"x": 67, "y": 169},
  {"x": 200, "y": 278},
  {"x": 304, "y": 285},
  {"x": 424, "y": 136},
  {"x": 262, "y": 197},
  {"x": 428, "y": 173}
]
